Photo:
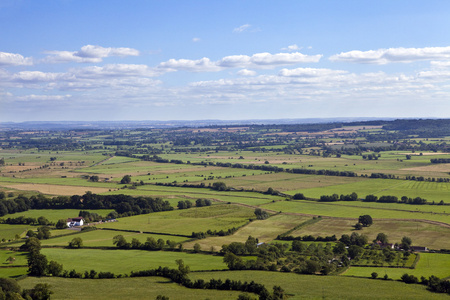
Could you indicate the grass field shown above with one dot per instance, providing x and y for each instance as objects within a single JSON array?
[
  {"x": 341, "y": 211},
  {"x": 9, "y": 232},
  {"x": 264, "y": 230},
  {"x": 104, "y": 238},
  {"x": 185, "y": 222},
  {"x": 53, "y": 215},
  {"x": 327, "y": 287},
  {"x": 421, "y": 233},
  {"x": 124, "y": 288},
  {"x": 20, "y": 258},
  {"x": 429, "y": 264},
  {"x": 125, "y": 261}
]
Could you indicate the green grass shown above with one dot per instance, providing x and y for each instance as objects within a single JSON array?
[
  {"x": 20, "y": 258},
  {"x": 104, "y": 238},
  {"x": 264, "y": 230},
  {"x": 13, "y": 272},
  {"x": 429, "y": 264},
  {"x": 327, "y": 287},
  {"x": 125, "y": 261},
  {"x": 124, "y": 288},
  {"x": 333, "y": 210},
  {"x": 422, "y": 234},
  {"x": 53, "y": 215},
  {"x": 184, "y": 222},
  {"x": 8, "y": 232}
]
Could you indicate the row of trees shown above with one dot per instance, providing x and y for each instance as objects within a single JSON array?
[{"x": 123, "y": 205}]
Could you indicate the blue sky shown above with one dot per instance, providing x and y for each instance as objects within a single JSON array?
[{"x": 193, "y": 60}]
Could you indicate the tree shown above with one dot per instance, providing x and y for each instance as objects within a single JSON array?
[
  {"x": 94, "y": 178},
  {"x": 365, "y": 220},
  {"x": 43, "y": 220},
  {"x": 120, "y": 242},
  {"x": 219, "y": 186},
  {"x": 37, "y": 264},
  {"x": 54, "y": 268},
  {"x": 406, "y": 243},
  {"x": 76, "y": 243},
  {"x": 374, "y": 275},
  {"x": 126, "y": 179},
  {"x": 43, "y": 233},
  {"x": 358, "y": 226},
  {"x": 61, "y": 224},
  {"x": 299, "y": 196},
  {"x": 382, "y": 238},
  {"x": 41, "y": 291},
  {"x": 184, "y": 270},
  {"x": 261, "y": 214},
  {"x": 197, "y": 248},
  {"x": 32, "y": 245}
]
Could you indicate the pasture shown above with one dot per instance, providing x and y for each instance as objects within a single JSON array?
[
  {"x": 348, "y": 211},
  {"x": 104, "y": 238},
  {"x": 422, "y": 233},
  {"x": 184, "y": 222},
  {"x": 326, "y": 287},
  {"x": 429, "y": 264},
  {"x": 264, "y": 230},
  {"x": 124, "y": 288},
  {"x": 125, "y": 261}
]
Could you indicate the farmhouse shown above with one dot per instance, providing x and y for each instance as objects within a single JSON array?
[
  {"x": 419, "y": 248},
  {"x": 71, "y": 222}
]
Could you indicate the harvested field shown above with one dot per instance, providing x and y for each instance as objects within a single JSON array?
[{"x": 51, "y": 189}]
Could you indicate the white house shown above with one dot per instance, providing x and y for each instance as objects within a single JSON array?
[{"x": 71, "y": 222}]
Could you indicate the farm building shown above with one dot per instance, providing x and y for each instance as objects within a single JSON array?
[
  {"x": 419, "y": 248},
  {"x": 71, "y": 222}
]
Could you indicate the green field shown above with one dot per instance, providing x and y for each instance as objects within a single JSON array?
[
  {"x": 104, "y": 238},
  {"x": 185, "y": 222},
  {"x": 9, "y": 232},
  {"x": 341, "y": 211},
  {"x": 53, "y": 215},
  {"x": 125, "y": 261},
  {"x": 124, "y": 288},
  {"x": 327, "y": 287},
  {"x": 429, "y": 264},
  {"x": 264, "y": 230},
  {"x": 421, "y": 233}
]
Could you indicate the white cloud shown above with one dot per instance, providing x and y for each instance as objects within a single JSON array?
[
  {"x": 258, "y": 60},
  {"x": 35, "y": 76},
  {"x": 245, "y": 72},
  {"x": 309, "y": 72},
  {"x": 392, "y": 55},
  {"x": 114, "y": 70},
  {"x": 291, "y": 48},
  {"x": 88, "y": 54},
  {"x": 196, "y": 39},
  {"x": 242, "y": 28},
  {"x": 34, "y": 97},
  {"x": 440, "y": 64},
  {"x": 13, "y": 59},
  {"x": 200, "y": 65}
]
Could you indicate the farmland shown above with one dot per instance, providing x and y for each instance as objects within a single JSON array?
[{"x": 226, "y": 200}]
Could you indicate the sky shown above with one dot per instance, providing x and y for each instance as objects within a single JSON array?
[{"x": 108, "y": 60}]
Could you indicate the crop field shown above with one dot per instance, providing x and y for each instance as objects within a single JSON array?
[
  {"x": 247, "y": 198},
  {"x": 422, "y": 233},
  {"x": 182, "y": 222},
  {"x": 429, "y": 264},
  {"x": 104, "y": 238},
  {"x": 432, "y": 191},
  {"x": 327, "y": 287},
  {"x": 125, "y": 261},
  {"x": 264, "y": 230},
  {"x": 341, "y": 211},
  {"x": 124, "y": 288}
]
